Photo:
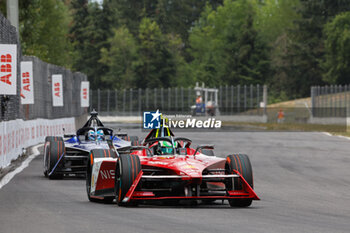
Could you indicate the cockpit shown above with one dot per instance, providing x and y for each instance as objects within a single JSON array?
[
  {"x": 168, "y": 145},
  {"x": 94, "y": 130}
]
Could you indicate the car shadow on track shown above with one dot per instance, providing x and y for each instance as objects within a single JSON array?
[
  {"x": 42, "y": 177},
  {"x": 215, "y": 205}
]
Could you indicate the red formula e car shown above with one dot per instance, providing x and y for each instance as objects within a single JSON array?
[{"x": 168, "y": 169}]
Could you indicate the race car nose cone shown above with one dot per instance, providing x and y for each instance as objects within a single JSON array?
[{"x": 192, "y": 171}]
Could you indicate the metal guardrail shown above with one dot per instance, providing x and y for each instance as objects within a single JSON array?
[
  {"x": 232, "y": 100},
  {"x": 330, "y": 101}
]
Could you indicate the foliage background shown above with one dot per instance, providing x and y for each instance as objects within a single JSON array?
[{"x": 287, "y": 44}]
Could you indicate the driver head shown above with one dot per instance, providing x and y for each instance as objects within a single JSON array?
[
  {"x": 100, "y": 135},
  {"x": 166, "y": 148},
  {"x": 91, "y": 135}
]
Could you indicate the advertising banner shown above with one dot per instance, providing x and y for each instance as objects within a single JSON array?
[
  {"x": 8, "y": 69},
  {"x": 85, "y": 94},
  {"x": 27, "y": 83},
  {"x": 57, "y": 90},
  {"x": 18, "y": 134}
]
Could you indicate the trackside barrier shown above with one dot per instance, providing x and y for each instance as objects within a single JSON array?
[{"x": 18, "y": 134}]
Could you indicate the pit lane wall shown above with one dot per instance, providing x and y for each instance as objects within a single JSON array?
[{"x": 18, "y": 134}]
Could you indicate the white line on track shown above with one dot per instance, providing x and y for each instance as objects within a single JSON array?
[
  {"x": 328, "y": 134},
  {"x": 340, "y": 136},
  {"x": 343, "y": 137},
  {"x": 24, "y": 164}
]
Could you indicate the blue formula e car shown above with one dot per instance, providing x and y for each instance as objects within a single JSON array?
[{"x": 68, "y": 155}]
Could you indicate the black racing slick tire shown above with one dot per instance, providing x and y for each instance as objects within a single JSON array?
[
  {"x": 124, "y": 137},
  {"x": 102, "y": 153},
  {"x": 96, "y": 153},
  {"x": 88, "y": 178},
  {"x": 240, "y": 163},
  {"x": 134, "y": 140},
  {"x": 53, "y": 150},
  {"x": 46, "y": 152},
  {"x": 127, "y": 169}
]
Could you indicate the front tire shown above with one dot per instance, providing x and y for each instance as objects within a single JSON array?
[
  {"x": 127, "y": 169},
  {"x": 88, "y": 178},
  {"x": 54, "y": 149},
  {"x": 240, "y": 163}
]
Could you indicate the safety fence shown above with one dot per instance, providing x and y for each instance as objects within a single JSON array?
[
  {"x": 24, "y": 125},
  {"x": 231, "y": 100},
  {"x": 43, "y": 107},
  {"x": 10, "y": 105},
  {"x": 330, "y": 101}
]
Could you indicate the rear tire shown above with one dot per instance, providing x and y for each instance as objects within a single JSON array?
[
  {"x": 54, "y": 148},
  {"x": 127, "y": 169},
  {"x": 46, "y": 152},
  {"x": 134, "y": 140},
  {"x": 124, "y": 137},
  {"x": 240, "y": 163}
]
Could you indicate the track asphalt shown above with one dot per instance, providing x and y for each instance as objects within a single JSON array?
[{"x": 303, "y": 180}]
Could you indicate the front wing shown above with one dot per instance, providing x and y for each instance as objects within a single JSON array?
[{"x": 246, "y": 193}]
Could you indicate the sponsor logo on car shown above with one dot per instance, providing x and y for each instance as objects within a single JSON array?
[{"x": 107, "y": 174}]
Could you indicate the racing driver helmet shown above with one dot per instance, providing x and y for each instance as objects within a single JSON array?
[
  {"x": 166, "y": 148},
  {"x": 91, "y": 135},
  {"x": 100, "y": 135}
]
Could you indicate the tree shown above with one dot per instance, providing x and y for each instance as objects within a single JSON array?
[
  {"x": 3, "y": 9},
  {"x": 130, "y": 12},
  {"x": 155, "y": 66},
  {"x": 182, "y": 76},
  {"x": 226, "y": 48},
  {"x": 177, "y": 17},
  {"x": 337, "y": 50},
  {"x": 275, "y": 18},
  {"x": 77, "y": 31},
  {"x": 89, "y": 33},
  {"x": 119, "y": 59},
  {"x": 43, "y": 26},
  {"x": 306, "y": 52}
]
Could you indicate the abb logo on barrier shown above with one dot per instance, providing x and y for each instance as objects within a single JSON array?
[
  {"x": 57, "y": 90},
  {"x": 85, "y": 93},
  {"x": 57, "y": 87},
  {"x": 26, "y": 81},
  {"x": 6, "y": 68},
  {"x": 27, "y": 84}
]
